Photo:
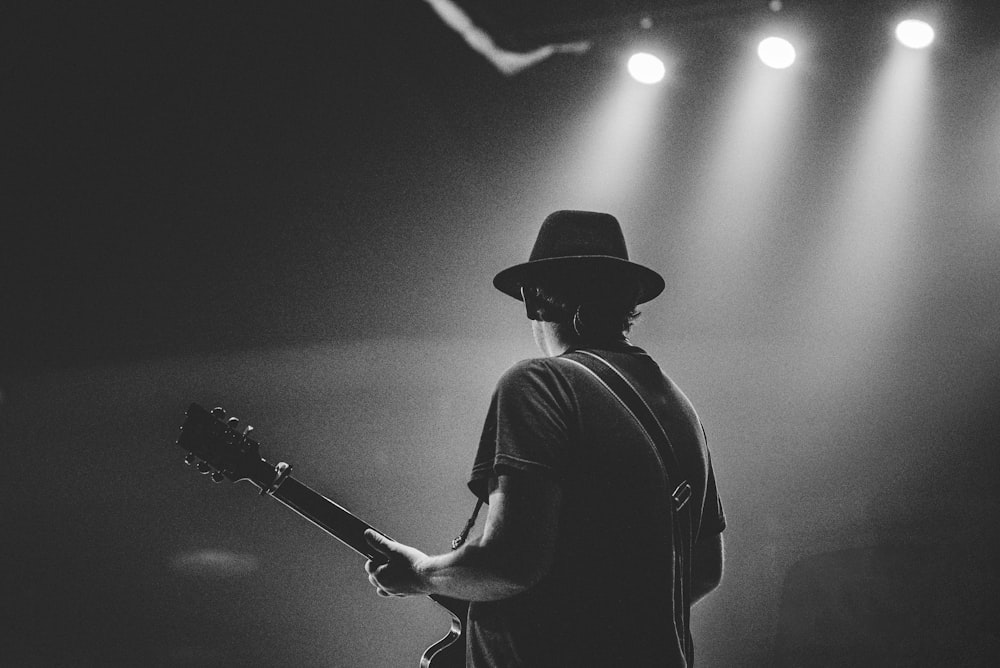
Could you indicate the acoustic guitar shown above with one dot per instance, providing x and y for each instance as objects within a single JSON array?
[{"x": 218, "y": 448}]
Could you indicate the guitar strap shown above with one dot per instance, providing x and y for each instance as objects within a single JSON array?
[
  {"x": 620, "y": 387},
  {"x": 625, "y": 392}
]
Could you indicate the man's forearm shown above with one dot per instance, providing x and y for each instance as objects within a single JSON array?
[
  {"x": 514, "y": 552},
  {"x": 474, "y": 572}
]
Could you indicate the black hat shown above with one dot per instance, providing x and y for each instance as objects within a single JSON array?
[{"x": 579, "y": 244}]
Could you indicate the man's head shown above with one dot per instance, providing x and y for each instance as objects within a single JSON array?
[
  {"x": 604, "y": 313},
  {"x": 579, "y": 277}
]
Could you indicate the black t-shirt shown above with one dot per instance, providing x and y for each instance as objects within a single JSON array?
[{"x": 617, "y": 593}]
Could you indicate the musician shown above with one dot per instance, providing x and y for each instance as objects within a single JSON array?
[{"x": 589, "y": 556}]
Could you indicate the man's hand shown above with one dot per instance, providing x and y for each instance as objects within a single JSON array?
[{"x": 400, "y": 575}]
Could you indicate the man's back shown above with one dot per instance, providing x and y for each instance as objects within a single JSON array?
[{"x": 615, "y": 594}]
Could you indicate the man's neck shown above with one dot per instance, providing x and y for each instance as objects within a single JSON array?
[{"x": 547, "y": 338}]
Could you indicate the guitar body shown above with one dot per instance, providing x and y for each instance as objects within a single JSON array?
[
  {"x": 445, "y": 653},
  {"x": 226, "y": 453},
  {"x": 448, "y": 652}
]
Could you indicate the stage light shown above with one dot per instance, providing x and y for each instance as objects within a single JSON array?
[
  {"x": 646, "y": 68},
  {"x": 914, "y": 34},
  {"x": 776, "y": 52}
]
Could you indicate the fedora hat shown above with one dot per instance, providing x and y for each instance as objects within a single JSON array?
[{"x": 584, "y": 245}]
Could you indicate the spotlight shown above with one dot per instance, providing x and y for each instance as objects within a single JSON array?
[
  {"x": 776, "y": 52},
  {"x": 646, "y": 68},
  {"x": 914, "y": 34}
]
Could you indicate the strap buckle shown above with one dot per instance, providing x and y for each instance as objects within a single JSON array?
[
  {"x": 459, "y": 540},
  {"x": 681, "y": 495}
]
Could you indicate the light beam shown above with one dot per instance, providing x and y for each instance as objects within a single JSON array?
[
  {"x": 740, "y": 190},
  {"x": 609, "y": 152},
  {"x": 867, "y": 272}
]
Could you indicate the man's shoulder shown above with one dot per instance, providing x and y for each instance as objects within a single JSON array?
[
  {"x": 565, "y": 371},
  {"x": 529, "y": 370}
]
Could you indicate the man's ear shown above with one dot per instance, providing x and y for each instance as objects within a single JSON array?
[{"x": 531, "y": 303}]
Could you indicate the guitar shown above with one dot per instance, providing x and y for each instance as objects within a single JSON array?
[{"x": 228, "y": 453}]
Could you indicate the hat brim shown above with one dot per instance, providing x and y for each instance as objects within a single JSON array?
[{"x": 510, "y": 280}]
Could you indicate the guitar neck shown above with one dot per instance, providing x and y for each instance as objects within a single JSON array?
[
  {"x": 346, "y": 527},
  {"x": 329, "y": 516},
  {"x": 227, "y": 453}
]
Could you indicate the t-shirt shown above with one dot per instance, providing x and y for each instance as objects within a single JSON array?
[{"x": 617, "y": 593}]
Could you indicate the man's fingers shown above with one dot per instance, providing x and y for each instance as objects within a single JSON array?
[
  {"x": 378, "y": 541},
  {"x": 390, "y": 565},
  {"x": 382, "y": 591},
  {"x": 385, "y": 593}
]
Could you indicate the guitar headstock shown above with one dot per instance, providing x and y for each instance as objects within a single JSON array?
[{"x": 225, "y": 450}]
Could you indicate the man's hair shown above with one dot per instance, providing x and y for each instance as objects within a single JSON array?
[{"x": 605, "y": 309}]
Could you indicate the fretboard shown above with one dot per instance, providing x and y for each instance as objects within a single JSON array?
[
  {"x": 346, "y": 527},
  {"x": 328, "y": 515}
]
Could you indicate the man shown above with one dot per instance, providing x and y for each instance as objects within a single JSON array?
[{"x": 589, "y": 556}]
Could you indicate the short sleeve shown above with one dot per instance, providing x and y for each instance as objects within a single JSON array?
[{"x": 526, "y": 426}]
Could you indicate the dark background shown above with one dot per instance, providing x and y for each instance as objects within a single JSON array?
[{"x": 295, "y": 210}]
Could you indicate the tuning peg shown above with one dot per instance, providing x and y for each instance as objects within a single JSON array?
[
  {"x": 233, "y": 422},
  {"x": 218, "y": 476},
  {"x": 204, "y": 467},
  {"x": 190, "y": 459},
  {"x": 219, "y": 412},
  {"x": 247, "y": 429}
]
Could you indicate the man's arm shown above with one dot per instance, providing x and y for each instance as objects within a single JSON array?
[
  {"x": 515, "y": 551},
  {"x": 706, "y": 566}
]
